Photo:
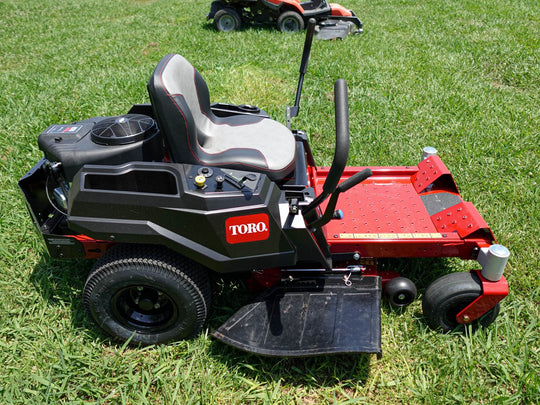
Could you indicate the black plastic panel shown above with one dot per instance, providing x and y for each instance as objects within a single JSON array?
[{"x": 161, "y": 203}]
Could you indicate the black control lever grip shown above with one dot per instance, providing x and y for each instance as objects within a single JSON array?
[
  {"x": 354, "y": 180},
  {"x": 342, "y": 187}
]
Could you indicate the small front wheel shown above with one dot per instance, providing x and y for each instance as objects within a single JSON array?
[
  {"x": 400, "y": 291},
  {"x": 227, "y": 20},
  {"x": 448, "y": 296},
  {"x": 290, "y": 22},
  {"x": 148, "y": 294}
]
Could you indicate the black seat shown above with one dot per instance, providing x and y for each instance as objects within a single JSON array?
[
  {"x": 194, "y": 134},
  {"x": 314, "y": 4}
]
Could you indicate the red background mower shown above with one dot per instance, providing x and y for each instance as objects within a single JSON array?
[{"x": 289, "y": 15}]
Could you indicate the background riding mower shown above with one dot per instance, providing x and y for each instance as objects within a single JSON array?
[
  {"x": 180, "y": 188},
  {"x": 334, "y": 20}
]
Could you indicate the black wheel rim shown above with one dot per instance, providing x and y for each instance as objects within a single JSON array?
[
  {"x": 290, "y": 25},
  {"x": 144, "y": 308}
]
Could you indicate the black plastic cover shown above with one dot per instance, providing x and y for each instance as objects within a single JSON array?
[{"x": 213, "y": 223}]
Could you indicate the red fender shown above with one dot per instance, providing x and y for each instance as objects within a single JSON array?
[
  {"x": 276, "y": 4},
  {"x": 339, "y": 10}
]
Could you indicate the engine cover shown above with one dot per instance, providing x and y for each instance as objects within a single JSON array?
[{"x": 102, "y": 140}]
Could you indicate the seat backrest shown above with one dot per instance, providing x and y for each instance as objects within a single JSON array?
[
  {"x": 313, "y": 4},
  {"x": 179, "y": 96},
  {"x": 194, "y": 134}
]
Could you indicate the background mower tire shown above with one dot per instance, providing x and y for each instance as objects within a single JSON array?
[
  {"x": 290, "y": 22},
  {"x": 148, "y": 294},
  {"x": 448, "y": 295},
  {"x": 227, "y": 20}
]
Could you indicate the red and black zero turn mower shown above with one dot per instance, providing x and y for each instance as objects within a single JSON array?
[
  {"x": 180, "y": 188},
  {"x": 334, "y": 20}
]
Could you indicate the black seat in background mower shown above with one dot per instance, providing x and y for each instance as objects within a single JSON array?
[
  {"x": 194, "y": 134},
  {"x": 314, "y": 5}
]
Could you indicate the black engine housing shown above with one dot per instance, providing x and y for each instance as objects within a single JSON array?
[{"x": 102, "y": 140}]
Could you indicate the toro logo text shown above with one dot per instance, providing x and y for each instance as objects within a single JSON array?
[{"x": 247, "y": 228}]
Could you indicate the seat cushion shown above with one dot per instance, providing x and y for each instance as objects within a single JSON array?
[{"x": 270, "y": 138}]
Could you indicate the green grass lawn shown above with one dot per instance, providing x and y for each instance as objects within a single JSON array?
[{"x": 463, "y": 76}]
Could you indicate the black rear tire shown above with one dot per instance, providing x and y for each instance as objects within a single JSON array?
[
  {"x": 448, "y": 296},
  {"x": 148, "y": 294},
  {"x": 290, "y": 22},
  {"x": 227, "y": 20}
]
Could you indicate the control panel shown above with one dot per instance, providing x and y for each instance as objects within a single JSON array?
[{"x": 218, "y": 180}]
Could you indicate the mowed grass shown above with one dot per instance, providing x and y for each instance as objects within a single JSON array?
[{"x": 462, "y": 76}]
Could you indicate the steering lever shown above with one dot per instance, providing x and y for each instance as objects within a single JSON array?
[{"x": 341, "y": 153}]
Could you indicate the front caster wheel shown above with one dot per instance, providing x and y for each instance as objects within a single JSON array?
[
  {"x": 400, "y": 291},
  {"x": 448, "y": 296},
  {"x": 148, "y": 294}
]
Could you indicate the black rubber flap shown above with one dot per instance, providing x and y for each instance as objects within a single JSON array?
[{"x": 309, "y": 317}]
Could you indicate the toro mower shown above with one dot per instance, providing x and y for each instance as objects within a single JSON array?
[
  {"x": 180, "y": 189},
  {"x": 334, "y": 20}
]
